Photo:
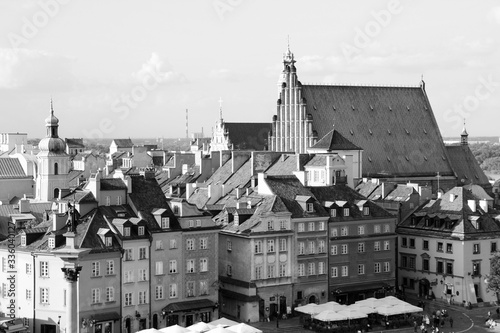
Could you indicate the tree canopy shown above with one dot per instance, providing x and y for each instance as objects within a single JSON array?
[{"x": 493, "y": 278}]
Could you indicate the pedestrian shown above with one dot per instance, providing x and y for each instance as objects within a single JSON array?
[
  {"x": 415, "y": 325},
  {"x": 489, "y": 314},
  {"x": 451, "y": 321}
]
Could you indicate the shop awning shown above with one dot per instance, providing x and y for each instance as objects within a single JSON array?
[
  {"x": 189, "y": 305},
  {"x": 98, "y": 317},
  {"x": 361, "y": 287},
  {"x": 239, "y": 297}
]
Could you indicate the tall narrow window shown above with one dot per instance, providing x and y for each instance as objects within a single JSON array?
[{"x": 56, "y": 169}]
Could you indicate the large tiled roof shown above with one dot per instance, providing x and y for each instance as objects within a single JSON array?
[
  {"x": 123, "y": 143},
  {"x": 240, "y": 178},
  {"x": 466, "y": 166},
  {"x": 366, "y": 188},
  {"x": 248, "y": 136},
  {"x": 11, "y": 168},
  {"x": 221, "y": 174},
  {"x": 112, "y": 184},
  {"x": 394, "y": 125},
  {"x": 287, "y": 164},
  {"x": 333, "y": 140},
  {"x": 74, "y": 143},
  {"x": 400, "y": 193}
]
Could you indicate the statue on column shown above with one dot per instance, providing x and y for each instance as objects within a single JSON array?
[
  {"x": 71, "y": 274},
  {"x": 71, "y": 223}
]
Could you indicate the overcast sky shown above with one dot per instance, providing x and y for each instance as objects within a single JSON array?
[{"x": 119, "y": 68}]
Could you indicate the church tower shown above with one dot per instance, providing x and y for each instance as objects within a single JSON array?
[
  {"x": 292, "y": 126},
  {"x": 53, "y": 162},
  {"x": 464, "y": 137},
  {"x": 220, "y": 136}
]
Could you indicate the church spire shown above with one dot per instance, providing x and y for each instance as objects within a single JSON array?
[
  {"x": 220, "y": 109},
  {"x": 464, "y": 136}
]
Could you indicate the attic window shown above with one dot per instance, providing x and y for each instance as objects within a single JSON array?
[
  {"x": 52, "y": 242},
  {"x": 352, "y": 106},
  {"x": 413, "y": 220},
  {"x": 371, "y": 107},
  {"x": 333, "y": 212},
  {"x": 141, "y": 231},
  {"x": 408, "y": 108},
  {"x": 366, "y": 210},
  {"x": 310, "y": 207},
  {"x": 425, "y": 158},
  {"x": 165, "y": 222},
  {"x": 126, "y": 232},
  {"x": 346, "y": 211},
  {"x": 333, "y": 107},
  {"x": 23, "y": 240},
  {"x": 388, "y": 158},
  {"x": 314, "y": 107},
  {"x": 108, "y": 241},
  {"x": 369, "y": 159}
]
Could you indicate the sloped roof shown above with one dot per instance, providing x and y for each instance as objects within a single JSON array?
[
  {"x": 11, "y": 168},
  {"x": 318, "y": 160},
  {"x": 112, "y": 184},
  {"x": 466, "y": 166},
  {"x": 394, "y": 125},
  {"x": 248, "y": 136},
  {"x": 366, "y": 188},
  {"x": 123, "y": 143},
  {"x": 401, "y": 191},
  {"x": 333, "y": 140},
  {"x": 222, "y": 174},
  {"x": 74, "y": 143},
  {"x": 240, "y": 178}
]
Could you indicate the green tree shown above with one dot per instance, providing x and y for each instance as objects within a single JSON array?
[{"x": 493, "y": 279}]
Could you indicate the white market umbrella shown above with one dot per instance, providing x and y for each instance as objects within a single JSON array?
[
  {"x": 224, "y": 322},
  {"x": 329, "y": 315},
  {"x": 352, "y": 314},
  {"x": 391, "y": 300},
  {"x": 361, "y": 308},
  {"x": 309, "y": 309},
  {"x": 369, "y": 302},
  {"x": 333, "y": 306},
  {"x": 200, "y": 327},
  {"x": 219, "y": 329},
  {"x": 244, "y": 328},
  {"x": 408, "y": 308},
  {"x": 387, "y": 310},
  {"x": 149, "y": 330},
  {"x": 174, "y": 329}
]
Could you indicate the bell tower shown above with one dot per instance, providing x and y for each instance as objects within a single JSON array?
[{"x": 53, "y": 162}]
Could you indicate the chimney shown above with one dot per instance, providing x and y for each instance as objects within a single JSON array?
[
  {"x": 472, "y": 205},
  {"x": 452, "y": 197},
  {"x": 253, "y": 182},
  {"x": 239, "y": 192},
  {"x": 24, "y": 206},
  {"x": 484, "y": 205},
  {"x": 247, "y": 191},
  {"x": 375, "y": 181},
  {"x": 249, "y": 204},
  {"x": 128, "y": 182},
  {"x": 238, "y": 205},
  {"x": 439, "y": 194},
  {"x": 58, "y": 221}
]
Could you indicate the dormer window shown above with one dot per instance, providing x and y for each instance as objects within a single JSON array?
[
  {"x": 333, "y": 212},
  {"x": 346, "y": 211},
  {"x": 126, "y": 232},
  {"x": 108, "y": 241},
  {"x": 23, "y": 240},
  {"x": 310, "y": 207},
  {"x": 191, "y": 223},
  {"x": 141, "y": 231},
  {"x": 176, "y": 209},
  {"x": 165, "y": 222},
  {"x": 366, "y": 210},
  {"x": 198, "y": 223},
  {"x": 52, "y": 242},
  {"x": 413, "y": 220}
]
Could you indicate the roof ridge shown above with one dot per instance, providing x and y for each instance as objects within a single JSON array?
[{"x": 348, "y": 84}]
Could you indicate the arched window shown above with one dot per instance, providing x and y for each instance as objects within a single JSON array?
[
  {"x": 56, "y": 193},
  {"x": 56, "y": 169}
]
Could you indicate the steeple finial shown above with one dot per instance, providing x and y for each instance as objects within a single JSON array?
[
  {"x": 288, "y": 42},
  {"x": 220, "y": 107},
  {"x": 51, "y": 106},
  {"x": 464, "y": 136}
]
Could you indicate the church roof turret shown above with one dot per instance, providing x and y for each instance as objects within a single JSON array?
[{"x": 52, "y": 143}]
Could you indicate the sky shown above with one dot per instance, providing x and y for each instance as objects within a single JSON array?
[{"x": 123, "y": 68}]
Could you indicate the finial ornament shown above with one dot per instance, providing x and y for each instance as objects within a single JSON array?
[
  {"x": 220, "y": 107},
  {"x": 51, "y": 106}
]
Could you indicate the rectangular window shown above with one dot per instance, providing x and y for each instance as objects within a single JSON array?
[
  {"x": 191, "y": 223},
  {"x": 165, "y": 222},
  {"x": 282, "y": 270},
  {"x": 283, "y": 244},
  {"x": 128, "y": 277},
  {"x": 229, "y": 245},
  {"x": 376, "y": 246},
  {"x": 301, "y": 227},
  {"x": 387, "y": 266},
  {"x": 198, "y": 223},
  {"x": 404, "y": 261},
  {"x": 142, "y": 253},
  {"x": 283, "y": 225},
  {"x": 412, "y": 243},
  {"x": 173, "y": 243},
  {"x": 258, "y": 246},
  {"x": 270, "y": 245},
  {"x": 333, "y": 212},
  {"x": 493, "y": 247},
  {"x": 203, "y": 243},
  {"x": 172, "y": 290},
  {"x": 96, "y": 295},
  {"x": 476, "y": 268},
  {"x": 159, "y": 268},
  {"x": 361, "y": 229},
  {"x": 345, "y": 270},
  {"x": 321, "y": 267},
  {"x": 203, "y": 265},
  {"x": 28, "y": 294},
  {"x": 190, "y": 266},
  {"x": 440, "y": 267},
  {"x": 128, "y": 299},
  {"x": 344, "y": 231},
  {"x": 310, "y": 207},
  {"x": 346, "y": 211},
  {"x": 376, "y": 268},
  {"x": 258, "y": 272},
  {"x": 108, "y": 241},
  {"x": 440, "y": 247},
  {"x": 203, "y": 287},
  {"x": 344, "y": 248},
  {"x": 411, "y": 263},
  {"x": 44, "y": 295},
  {"x": 110, "y": 267},
  {"x": 301, "y": 270},
  {"x": 108, "y": 200},
  {"x": 311, "y": 226},
  {"x": 312, "y": 247},
  {"x": 449, "y": 268},
  {"x": 159, "y": 292},
  {"x": 387, "y": 246},
  {"x": 311, "y": 268},
  {"x": 404, "y": 242},
  {"x": 334, "y": 232},
  {"x": 334, "y": 272},
  {"x": 361, "y": 269},
  {"x": 425, "y": 264},
  {"x": 387, "y": 228},
  {"x": 270, "y": 271},
  {"x": 229, "y": 270},
  {"x": 172, "y": 266},
  {"x": 44, "y": 268},
  {"x": 126, "y": 231},
  {"x": 333, "y": 250},
  {"x": 128, "y": 255},
  {"x": 321, "y": 226},
  {"x": 449, "y": 247},
  {"x": 140, "y": 231},
  {"x": 143, "y": 275},
  {"x": 190, "y": 244},
  {"x": 366, "y": 211},
  {"x": 321, "y": 246},
  {"x": 110, "y": 294},
  {"x": 476, "y": 249},
  {"x": 28, "y": 269},
  {"x": 377, "y": 229},
  {"x": 159, "y": 244},
  {"x": 425, "y": 245},
  {"x": 361, "y": 247},
  {"x": 302, "y": 248},
  {"x": 96, "y": 269},
  {"x": 190, "y": 289},
  {"x": 52, "y": 242},
  {"x": 270, "y": 225}
]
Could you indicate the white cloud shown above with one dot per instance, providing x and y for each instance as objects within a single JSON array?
[
  {"x": 35, "y": 70},
  {"x": 160, "y": 70},
  {"x": 223, "y": 74},
  {"x": 495, "y": 14}
]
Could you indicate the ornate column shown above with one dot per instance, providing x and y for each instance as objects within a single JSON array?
[{"x": 71, "y": 272}]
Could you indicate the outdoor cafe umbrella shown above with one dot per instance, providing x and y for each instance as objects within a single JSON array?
[
  {"x": 200, "y": 327},
  {"x": 174, "y": 329},
  {"x": 244, "y": 328},
  {"x": 387, "y": 310},
  {"x": 408, "y": 308},
  {"x": 361, "y": 308},
  {"x": 391, "y": 300},
  {"x": 369, "y": 302},
  {"x": 352, "y": 314},
  {"x": 309, "y": 309},
  {"x": 329, "y": 315},
  {"x": 223, "y": 321},
  {"x": 334, "y": 306}
]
